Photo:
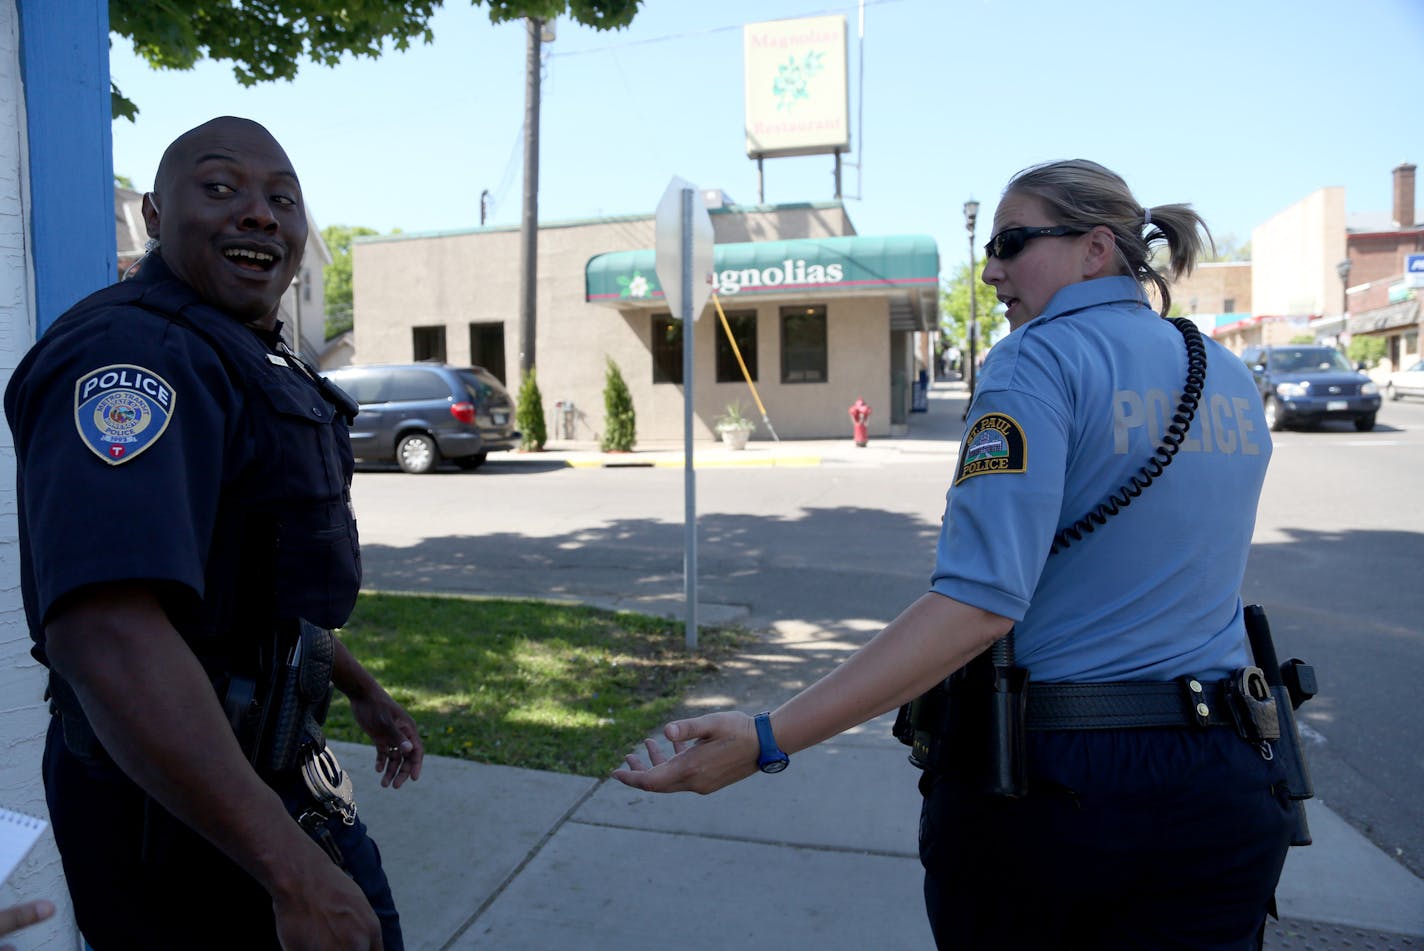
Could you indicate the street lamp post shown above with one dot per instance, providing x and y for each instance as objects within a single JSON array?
[
  {"x": 971, "y": 212},
  {"x": 1343, "y": 269}
]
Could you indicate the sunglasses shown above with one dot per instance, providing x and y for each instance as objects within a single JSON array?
[{"x": 1010, "y": 242}]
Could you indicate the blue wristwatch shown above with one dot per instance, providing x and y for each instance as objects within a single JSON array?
[{"x": 770, "y": 759}]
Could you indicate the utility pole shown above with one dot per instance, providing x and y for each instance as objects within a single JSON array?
[
  {"x": 971, "y": 213},
  {"x": 529, "y": 246}
]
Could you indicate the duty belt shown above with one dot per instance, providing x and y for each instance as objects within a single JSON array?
[{"x": 1126, "y": 705}]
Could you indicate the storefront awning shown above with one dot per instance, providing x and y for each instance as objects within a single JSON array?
[{"x": 902, "y": 267}]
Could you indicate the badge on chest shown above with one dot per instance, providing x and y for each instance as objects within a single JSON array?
[{"x": 121, "y": 410}]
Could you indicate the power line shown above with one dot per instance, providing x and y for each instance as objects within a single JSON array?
[{"x": 710, "y": 31}]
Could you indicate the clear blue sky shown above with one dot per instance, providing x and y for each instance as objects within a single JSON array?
[{"x": 1240, "y": 107}]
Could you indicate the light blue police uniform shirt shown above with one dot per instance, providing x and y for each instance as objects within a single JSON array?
[{"x": 1066, "y": 409}]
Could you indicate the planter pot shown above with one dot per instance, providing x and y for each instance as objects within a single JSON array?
[{"x": 736, "y": 438}]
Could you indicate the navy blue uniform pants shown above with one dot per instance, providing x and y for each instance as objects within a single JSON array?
[
  {"x": 142, "y": 880},
  {"x": 1129, "y": 839}
]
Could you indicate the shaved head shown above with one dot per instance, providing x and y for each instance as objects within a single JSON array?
[{"x": 180, "y": 150}]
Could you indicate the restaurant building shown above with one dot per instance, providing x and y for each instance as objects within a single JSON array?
[{"x": 820, "y": 315}]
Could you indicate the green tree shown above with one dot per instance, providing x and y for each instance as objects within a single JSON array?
[
  {"x": 954, "y": 311},
  {"x": 266, "y": 40},
  {"x": 620, "y": 422},
  {"x": 530, "y": 415},
  {"x": 1227, "y": 249},
  {"x": 336, "y": 281},
  {"x": 1369, "y": 350}
]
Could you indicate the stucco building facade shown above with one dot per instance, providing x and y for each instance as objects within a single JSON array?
[{"x": 820, "y": 314}]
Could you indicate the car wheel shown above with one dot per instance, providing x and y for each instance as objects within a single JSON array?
[
  {"x": 1390, "y": 392},
  {"x": 1365, "y": 423},
  {"x": 471, "y": 463},
  {"x": 1275, "y": 419},
  {"x": 417, "y": 454}
]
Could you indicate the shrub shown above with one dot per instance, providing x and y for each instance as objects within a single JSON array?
[
  {"x": 530, "y": 415},
  {"x": 1368, "y": 350},
  {"x": 620, "y": 422}
]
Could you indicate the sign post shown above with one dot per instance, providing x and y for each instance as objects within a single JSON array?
[{"x": 683, "y": 244}]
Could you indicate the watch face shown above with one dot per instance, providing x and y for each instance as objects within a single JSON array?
[{"x": 776, "y": 765}]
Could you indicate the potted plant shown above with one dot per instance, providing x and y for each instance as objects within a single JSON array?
[{"x": 734, "y": 427}]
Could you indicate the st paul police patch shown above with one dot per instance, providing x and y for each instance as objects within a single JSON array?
[
  {"x": 121, "y": 410},
  {"x": 995, "y": 443}
]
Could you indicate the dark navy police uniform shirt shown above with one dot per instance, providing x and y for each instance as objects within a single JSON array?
[{"x": 184, "y": 453}]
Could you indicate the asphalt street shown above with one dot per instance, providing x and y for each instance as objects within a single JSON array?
[{"x": 837, "y": 548}]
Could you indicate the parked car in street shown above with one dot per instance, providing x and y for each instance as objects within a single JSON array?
[
  {"x": 1304, "y": 384},
  {"x": 416, "y": 414},
  {"x": 1407, "y": 382}
]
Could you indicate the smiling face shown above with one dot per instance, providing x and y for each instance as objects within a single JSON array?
[
  {"x": 1026, "y": 282},
  {"x": 228, "y": 215}
]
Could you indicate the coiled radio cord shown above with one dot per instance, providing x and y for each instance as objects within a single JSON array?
[{"x": 1161, "y": 456}]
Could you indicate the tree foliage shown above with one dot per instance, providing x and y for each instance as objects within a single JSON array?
[
  {"x": 530, "y": 415},
  {"x": 266, "y": 40},
  {"x": 954, "y": 310},
  {"x": 1367, "y": 349},
  {"x": 336, "y": 281},
  {"x": 620, "y": 421}
]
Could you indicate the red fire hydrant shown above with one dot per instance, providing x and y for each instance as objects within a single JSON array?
[{"x": 859, "y": 413}]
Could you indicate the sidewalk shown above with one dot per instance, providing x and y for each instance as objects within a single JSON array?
[{"x": 819, "y": 857}]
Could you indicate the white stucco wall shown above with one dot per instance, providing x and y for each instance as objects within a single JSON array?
[
  {"x": 452, "y": 280},
  {"x": 1294, "y": 254},
  {"x": 23, "y": 716}
]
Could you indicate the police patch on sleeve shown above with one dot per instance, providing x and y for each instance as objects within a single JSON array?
[
  {"x": 121, "y": 410},
  {"x": 995, "y": 443}
]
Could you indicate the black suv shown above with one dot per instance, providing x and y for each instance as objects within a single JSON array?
[
  {"x": 417, "y": 413},
  {"x": 1309, "y": 383}
]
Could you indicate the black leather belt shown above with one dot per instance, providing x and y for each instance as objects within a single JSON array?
[{"x": 1127, "y": 705}]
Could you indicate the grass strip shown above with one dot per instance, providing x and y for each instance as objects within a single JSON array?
[{"x": 536, "y": 684}]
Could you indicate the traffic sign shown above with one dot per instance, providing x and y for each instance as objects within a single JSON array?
[
  {"x": 1414, "y": 270},
  {"x": 683, "y": 234}
]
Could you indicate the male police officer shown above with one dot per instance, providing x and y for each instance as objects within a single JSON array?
[{"x": 187, "y": 539}]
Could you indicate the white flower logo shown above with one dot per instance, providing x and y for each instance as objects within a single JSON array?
[{"x": 638, "y": 286}]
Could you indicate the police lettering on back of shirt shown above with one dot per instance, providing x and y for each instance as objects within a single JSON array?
[{"x": 1224, "y": 424}]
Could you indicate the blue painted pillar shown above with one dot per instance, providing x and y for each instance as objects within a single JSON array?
[{"x": 64, "y": 61}]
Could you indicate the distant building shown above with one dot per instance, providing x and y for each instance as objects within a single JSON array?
[
  {"x": 303, "y": 305},
  {"x": 1217, "y": 296},
  {"x": 821, "y": 315},
  {"x": 1318, "y": 272},
  {"x": 1380, "y": 301}
]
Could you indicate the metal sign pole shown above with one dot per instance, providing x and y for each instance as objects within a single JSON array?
[{"x": 689, "y": 519}]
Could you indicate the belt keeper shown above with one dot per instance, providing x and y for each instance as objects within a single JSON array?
[{"x": 1196, "y": 698}]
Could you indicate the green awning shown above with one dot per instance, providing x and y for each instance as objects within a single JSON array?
[{"x": 899, "y": 265}]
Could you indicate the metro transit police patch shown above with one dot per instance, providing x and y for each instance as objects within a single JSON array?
[
  {"x": 121, "y": 410},
  {"x": 995, "y": 443}
]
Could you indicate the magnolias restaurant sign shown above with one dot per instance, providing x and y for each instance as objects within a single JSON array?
[{"x": 816, "y": 266}]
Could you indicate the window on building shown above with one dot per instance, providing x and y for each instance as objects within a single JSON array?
[
  {"x": 1228, "y": 306},
  {"x": 667, "y": 349},
  {"x": 803, "y": 344},
  {"x": 306, "y": 285},
  {"x": 428, "y": 343},
  {"x": 743, "y": 324},
  {"x": 487, "y": 348}
]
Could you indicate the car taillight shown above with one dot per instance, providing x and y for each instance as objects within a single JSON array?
[{"x": 464, "y": 412}]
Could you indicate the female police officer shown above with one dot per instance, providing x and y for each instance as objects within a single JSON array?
[{"x": 1128, "y": 837}]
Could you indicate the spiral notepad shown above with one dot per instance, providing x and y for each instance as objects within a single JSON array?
[{"x": 18, "y": 834}]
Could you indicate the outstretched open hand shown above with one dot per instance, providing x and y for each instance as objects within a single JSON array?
[{"x": 709, "y": 752}]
